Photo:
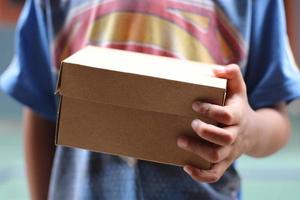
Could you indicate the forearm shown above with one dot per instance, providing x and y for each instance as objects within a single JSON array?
[
  {"x": 270, "y": 130},
  {"x": 39, "y": 153}
]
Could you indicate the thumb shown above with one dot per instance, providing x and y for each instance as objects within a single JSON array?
[{"x": 234, "y": 76}]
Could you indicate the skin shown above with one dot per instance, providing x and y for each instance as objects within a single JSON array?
[
  {"x": 39, "y": 152},
  {"x": 242, "y": 130}
]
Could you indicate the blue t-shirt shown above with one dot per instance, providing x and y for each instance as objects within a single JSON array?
[{"x": 249, "y": 33}]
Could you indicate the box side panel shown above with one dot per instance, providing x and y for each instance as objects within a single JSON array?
[
  {"x": 58, "y": 119},
  {"x": 58, "y": 83},
  {"x": 123, "y": 131},
  {"x": 135, "y": 91}
]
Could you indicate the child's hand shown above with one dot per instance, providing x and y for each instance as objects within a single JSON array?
[{"x": 224, "y": 144}]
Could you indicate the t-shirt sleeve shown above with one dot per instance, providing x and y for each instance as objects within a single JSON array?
[
  {"x": 271, "y": 74},
  {"x": 29, "y": 78}
]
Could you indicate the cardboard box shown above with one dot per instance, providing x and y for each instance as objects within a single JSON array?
[{"x": 133, "y": 104}]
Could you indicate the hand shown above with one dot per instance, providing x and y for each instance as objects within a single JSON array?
[{"x": 226, "y": 144}]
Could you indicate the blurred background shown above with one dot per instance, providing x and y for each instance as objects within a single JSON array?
[{"x": 275, "y": 177}]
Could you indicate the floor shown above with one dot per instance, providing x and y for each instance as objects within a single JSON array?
[{"x": 276, "y": 177}]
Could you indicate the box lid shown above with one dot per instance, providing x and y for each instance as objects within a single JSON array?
[{"x": 139, "y": 81}]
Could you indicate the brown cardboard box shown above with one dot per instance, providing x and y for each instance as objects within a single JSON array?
[{"x": 133, "y": 104}]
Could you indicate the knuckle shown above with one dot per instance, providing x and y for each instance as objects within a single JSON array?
[
  {"x": 193, "y": 146},
  {"x": 235, "y": 67},
  {"x": 196, "y": 176},
  {"x": 228, "y": 138},
  {"x": 215, "y": 155},
  {"x": 204, "y": 131},
  {"x": 227, "y": 117},
  {"x": 205, "y": 109},
  {"x": 214, "y": 178},
  {"x": 189, "y": 145},
  {"x": 234, "y": 70}
]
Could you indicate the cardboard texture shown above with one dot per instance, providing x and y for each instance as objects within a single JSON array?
[{"x": 133, "y": 104}]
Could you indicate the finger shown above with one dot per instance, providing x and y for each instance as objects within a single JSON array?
[
  {"x": 213, "y": 133},
  {"x": 234, "y": 76},
  {"x": 220, "y": 114},
  {"x": 207, "y": 176},
  {"x": 211, "y": 153}
]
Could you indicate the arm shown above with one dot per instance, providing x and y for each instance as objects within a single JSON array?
[
  {"x": 39, "y": 153},
  {"x": 243, "y": 131},
  {"x": 274, "y": 123}
]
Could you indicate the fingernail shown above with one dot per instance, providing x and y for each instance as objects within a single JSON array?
[
  {"x": 220, "y": 69},
  {"x": 181, "y": 142},
  {"x": 195, "y": 123},
  {"x": 186, "y": 169},
  {"x": 196, "y": 105}
]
